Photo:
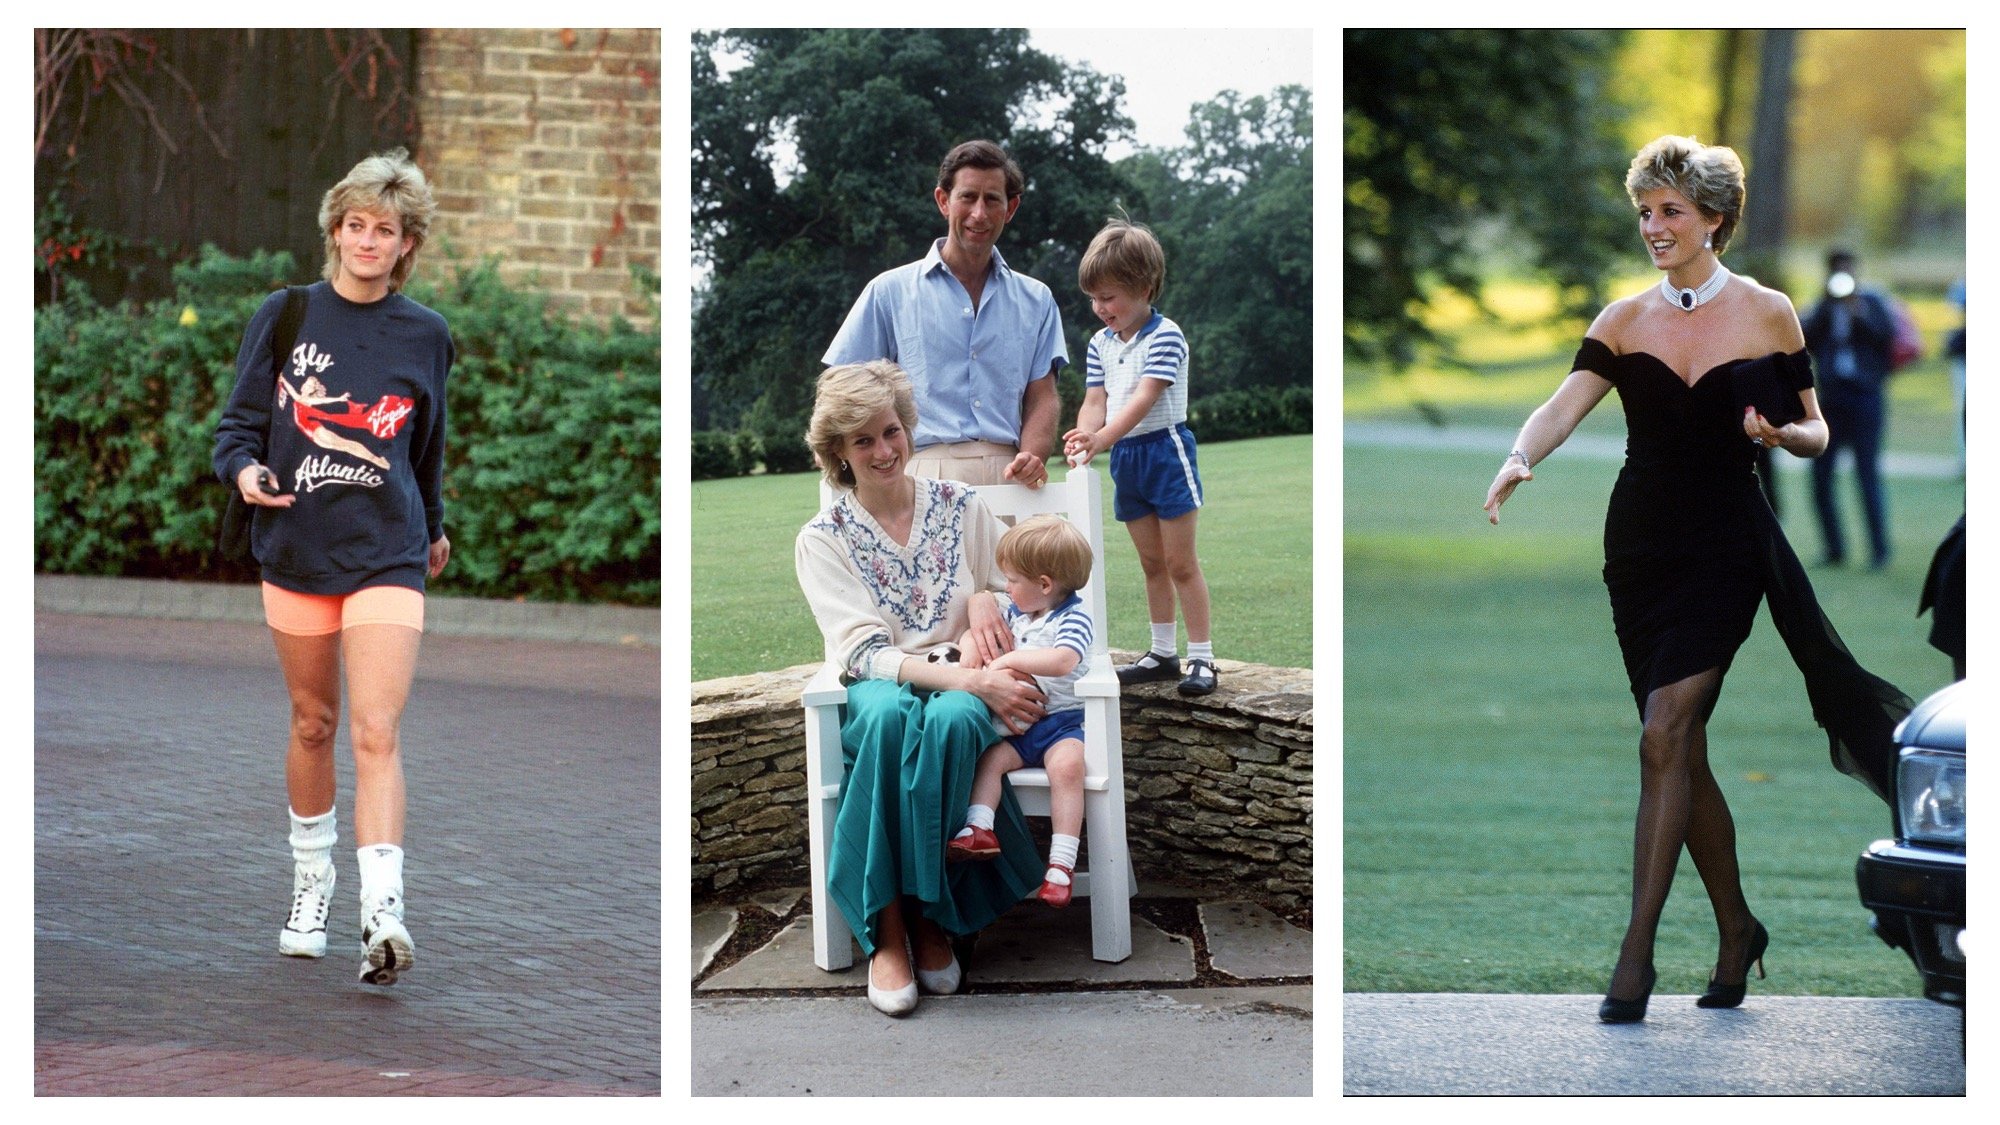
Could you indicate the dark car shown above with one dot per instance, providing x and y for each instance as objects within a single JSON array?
[{"x": 1915, "y": 883}]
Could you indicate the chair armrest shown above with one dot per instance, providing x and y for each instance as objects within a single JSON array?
[
  {"x": 825, "y": 688},
  {"x": 1101, "y": 682}
]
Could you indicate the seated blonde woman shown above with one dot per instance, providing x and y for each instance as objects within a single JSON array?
[{"x": 891, "y": 570}]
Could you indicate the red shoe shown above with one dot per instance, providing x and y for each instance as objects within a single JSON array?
[
  {"x": 982, "y": 844},
  {"x": 1057, "y": 894}
]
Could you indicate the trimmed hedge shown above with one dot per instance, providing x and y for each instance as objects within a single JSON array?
[
  {"x": 552, "y": 469},
  {"x": 1223, "y": 416}
]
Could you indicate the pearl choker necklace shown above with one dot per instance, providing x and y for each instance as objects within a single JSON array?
[{"x": 1688, "y": 300}]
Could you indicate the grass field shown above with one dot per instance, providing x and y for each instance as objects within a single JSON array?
[
  {"x": 1255, "y": 542},
  {"x": 1490, "y": 743}
]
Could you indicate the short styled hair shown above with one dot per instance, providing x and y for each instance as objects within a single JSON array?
[
  {"x": 849, "y": 397},
  {"x": 979, "y": 154},
  {"x": 1047, "y": 545},
  {"x": 385, "y": 183},
  {"x": 1125, "y": 254},
  {"x": 1710, "y": 176}
]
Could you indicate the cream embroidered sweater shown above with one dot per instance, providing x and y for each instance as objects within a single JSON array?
[{"x": 878, "y": 602}]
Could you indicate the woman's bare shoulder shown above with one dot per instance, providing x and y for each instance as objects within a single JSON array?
[
  {"x": 1614, "y": 324},
  {"x": 1772, "y": 312}
]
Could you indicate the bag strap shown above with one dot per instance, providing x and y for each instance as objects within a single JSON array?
[{"x": 287, "y": 332}]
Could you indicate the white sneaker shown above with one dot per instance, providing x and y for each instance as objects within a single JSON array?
[
  {"x": 385, "y": 941},
  {"x": 304, "y": 934}
]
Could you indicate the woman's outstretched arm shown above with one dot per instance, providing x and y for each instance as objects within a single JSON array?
[{"x": 1546, "y": 429}]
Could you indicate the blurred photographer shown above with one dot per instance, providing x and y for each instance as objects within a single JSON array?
[{"x": 1850, "y": 333}]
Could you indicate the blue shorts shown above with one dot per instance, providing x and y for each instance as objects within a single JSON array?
[
  {"x": 1048, "y": 730},
  {"x": 1155, "y": 475}
]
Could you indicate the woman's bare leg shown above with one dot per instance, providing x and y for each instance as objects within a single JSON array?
[
  {"x": 311, "y": 667},
  {"x": 889, "y": 968},
  {"x": 381, "y": 662}
]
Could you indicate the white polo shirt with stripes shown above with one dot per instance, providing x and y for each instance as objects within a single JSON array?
[{"x": 1155, "y": 351}]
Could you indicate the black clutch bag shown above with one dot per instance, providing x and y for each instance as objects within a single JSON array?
[{"x": 1762, "y": 383}]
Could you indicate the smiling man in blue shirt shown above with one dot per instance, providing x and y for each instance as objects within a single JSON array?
[{"x": 980, "y": 343}]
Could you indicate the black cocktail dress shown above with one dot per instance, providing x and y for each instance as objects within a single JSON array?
[{"x": 1691, "y": 547}]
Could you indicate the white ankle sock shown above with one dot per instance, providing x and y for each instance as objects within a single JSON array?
[
  {"x": 976, "y": 816},
  {"x": 1203, "y": 651},
  {"x": 1062, "y": 849},
  {"x": 312, "y": 840},
  {"x": 1163, "y": 639},
  {"x": 381, "y": 871}
]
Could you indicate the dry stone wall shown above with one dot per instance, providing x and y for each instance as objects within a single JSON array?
[{"x": 1218, "y": 790}]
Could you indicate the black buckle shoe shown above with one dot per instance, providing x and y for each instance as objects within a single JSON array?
[
  {"x": 1200, "y": 677},
  {"x": 1150, "y": 668}
]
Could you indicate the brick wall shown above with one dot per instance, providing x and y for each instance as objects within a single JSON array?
[{"x": 543, "y": 147}]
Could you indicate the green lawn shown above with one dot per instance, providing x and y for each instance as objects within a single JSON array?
[
  {"x": 1490, "y": 742},
  {"x": 1255, "y": 542}
]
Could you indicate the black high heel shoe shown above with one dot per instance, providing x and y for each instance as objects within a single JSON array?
[
  {"x": 1721, "y": 995},
  {"x": 1614, "y": 1010}
]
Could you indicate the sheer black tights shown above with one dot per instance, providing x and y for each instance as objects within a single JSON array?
[{"x": 1680, "y": 805}]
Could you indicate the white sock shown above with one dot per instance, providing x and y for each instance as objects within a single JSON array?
[
  {"x": 1163, "y": 639},
  {"x": 381, "y": 872},
  {"x": 1062, "y": 849},
  {"x": 1203, "y": 651},
  {"x": 312, "y": 840},
  {"x": 976, "y": 816}
]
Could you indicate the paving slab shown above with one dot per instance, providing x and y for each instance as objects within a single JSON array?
[
  {"x": 1229, "y": 1041},
  {"x": 1034, "y": 944},
  {"x": 779, "y": 902},
  {"x": 1028, "y": 945},
  {"x": 1442, "y": 1043},
  {"x": 711, "y": 930},
  {"x": 786, "y": 961},
  {"x": 1249, "y": 942}
]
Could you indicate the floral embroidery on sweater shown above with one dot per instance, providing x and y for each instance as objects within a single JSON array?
[{"x": 913, "y": 584}]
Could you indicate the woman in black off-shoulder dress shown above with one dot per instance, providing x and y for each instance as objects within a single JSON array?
[{"x": 1691, "y": 546}]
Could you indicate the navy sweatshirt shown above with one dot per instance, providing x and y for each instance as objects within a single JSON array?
[{"x": 357, "y": 427}]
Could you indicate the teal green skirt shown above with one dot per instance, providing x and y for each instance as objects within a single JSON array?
[{"x": 910, "y": 757}]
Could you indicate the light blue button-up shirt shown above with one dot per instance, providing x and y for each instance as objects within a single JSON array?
[{"x": 970, "y": 368}]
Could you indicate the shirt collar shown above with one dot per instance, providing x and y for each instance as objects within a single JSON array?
[
  {"x": 934, "y": 260},
  {"x": 1152, "y": 322}
]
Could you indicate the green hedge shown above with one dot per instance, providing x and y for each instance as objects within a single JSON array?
[
  {"x": 1223, "y": 416},
  {"x": 1229, "y": 415},
  {"x": 552, "y": 474}
]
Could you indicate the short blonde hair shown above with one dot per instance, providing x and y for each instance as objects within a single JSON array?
[
  {"x": 849, "y": 397},
  {"x": 1710, "y": 176},
  {"x": 1047, "y": 545},
  {"x": 385, "y": 183},
  {"x": 1125, "y": 254}
]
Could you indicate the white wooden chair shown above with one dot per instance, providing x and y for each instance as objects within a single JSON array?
[{"x": 1109, "y": 882}]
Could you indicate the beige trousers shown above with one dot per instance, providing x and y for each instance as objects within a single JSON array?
[{"x": 974, "y": 462}]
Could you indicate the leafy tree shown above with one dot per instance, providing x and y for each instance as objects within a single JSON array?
[
  {"x": 813, "y": 166},
  {"x": 1233, "y": 210},
  {"x": 1466, "y": 147}
]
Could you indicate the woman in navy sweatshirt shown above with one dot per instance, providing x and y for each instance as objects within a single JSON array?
[{"x": 338, "y": 446}]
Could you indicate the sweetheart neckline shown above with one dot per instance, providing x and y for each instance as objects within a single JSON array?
[{"x": 1669, "y": 369}]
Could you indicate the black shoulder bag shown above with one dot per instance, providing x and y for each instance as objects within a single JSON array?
[{"x": 232, "y": 540}]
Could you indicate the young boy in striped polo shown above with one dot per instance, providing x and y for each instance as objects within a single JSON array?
[
  {"x": 1045, "y": 561},
  {"x": 1135, "y": 405}
]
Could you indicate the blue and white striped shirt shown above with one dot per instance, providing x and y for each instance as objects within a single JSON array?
[
  {"x": 1065, "y": 626},
  {"x": 1156, "y": 351}
]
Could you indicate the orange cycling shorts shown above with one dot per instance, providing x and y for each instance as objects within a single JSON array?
[{"x": 316, "y": 615}]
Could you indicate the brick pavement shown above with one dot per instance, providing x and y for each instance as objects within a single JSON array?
[{"x": 161, "y": 874}]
